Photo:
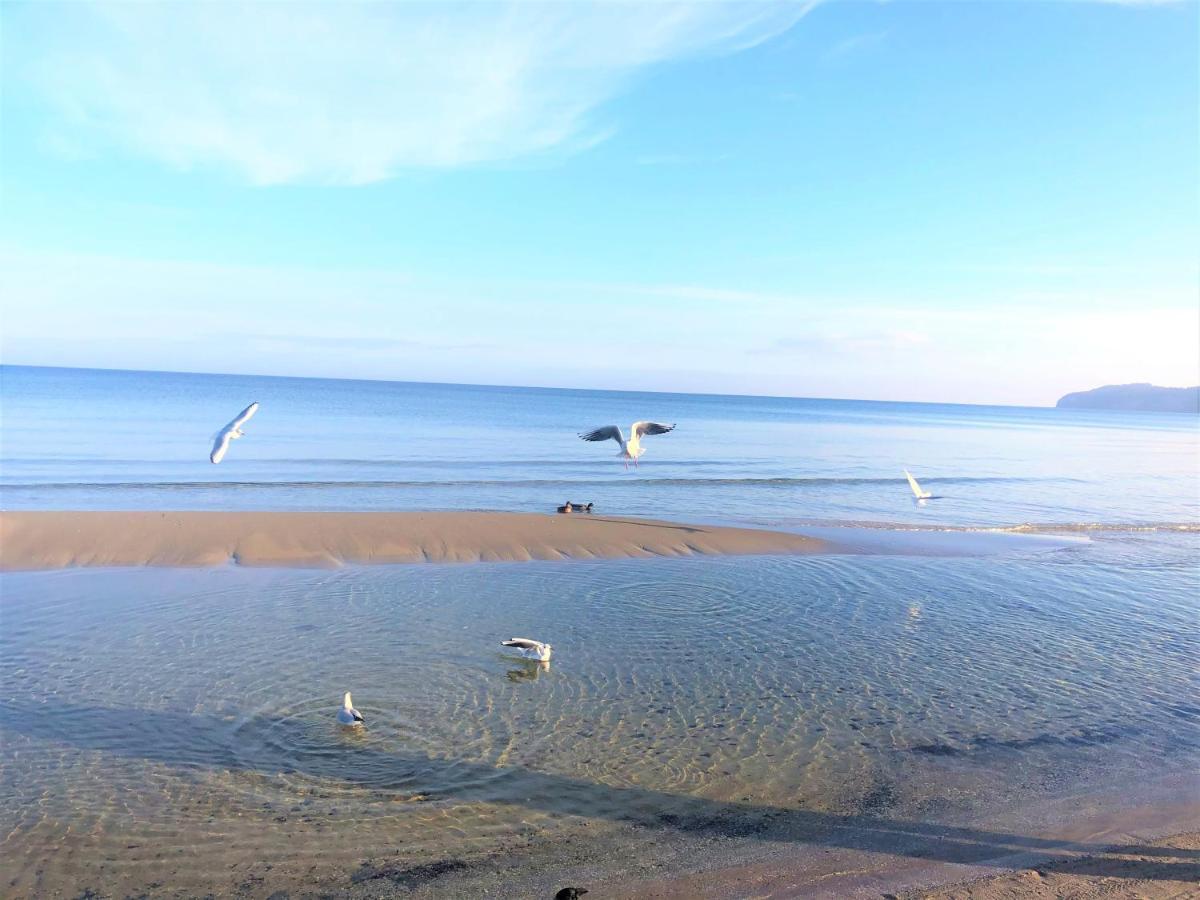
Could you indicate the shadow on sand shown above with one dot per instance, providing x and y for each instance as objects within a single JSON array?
[{"x": 198, "y": 741}]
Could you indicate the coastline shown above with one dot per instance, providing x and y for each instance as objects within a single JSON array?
[
  {"x": 61, "y": 539},
  {"x": 1134, "y": 840}
]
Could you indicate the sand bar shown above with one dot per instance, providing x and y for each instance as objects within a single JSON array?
[{"x": 55, "y": 540}]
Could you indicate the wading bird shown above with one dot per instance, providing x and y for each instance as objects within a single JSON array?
[
  {"x": 529, "y": 649},
  {"x": 348, "y": 715}
]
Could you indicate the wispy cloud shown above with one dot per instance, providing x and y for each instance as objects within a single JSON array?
[
  {"x": 352, "y": 92},
  {"x": 690, "y": 292},
  {"x": 855, "y": 43},
  {"x": 1139, "y": 2},
  {"x": 853, "y": 342},
  {"x": 680, "y": 159},
  {"x": 352, "y": 343}
]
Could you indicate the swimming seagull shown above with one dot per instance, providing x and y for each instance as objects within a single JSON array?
[
  {"x": 530, "y": 649},
  {"x": 919, "y": 492},
  {"x": 632, "y": 448},
  {"x": 348, "y": 715},
  {"x": 229, "y": 432}
]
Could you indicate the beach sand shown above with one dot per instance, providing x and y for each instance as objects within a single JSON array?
[
  {"x": 1157, "y": 870},
  {"x": 1167, "y": 867},
  {"x": 54, "y": 540}
]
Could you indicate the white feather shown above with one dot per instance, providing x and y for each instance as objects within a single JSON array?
[
  {"x": 229, "y": 432},
  {"x": 528, "y": 648}
]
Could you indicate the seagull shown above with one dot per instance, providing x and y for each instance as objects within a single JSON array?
[
  {"x": 348, "y": 715},
  {"x": 530, "y": 649},
  {"x": 632, "y": 448},
  {"x": 229, "y": 432},
  {"x": 919, "y": 492}
]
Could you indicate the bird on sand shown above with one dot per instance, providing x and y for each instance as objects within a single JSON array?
[
  {"x": 630, "y": 449},
  {"x": 529, "y": 648},
  {"x": 230, "y": 432},
  {"x": 570, "y": 893},
  {"x": 348, "y": 715}
]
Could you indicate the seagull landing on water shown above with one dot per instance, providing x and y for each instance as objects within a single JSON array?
[
  {"x": 918, "y": 492},
  {"x": 632, "y": 448},
  {"x": 348, "y": 715},
  {"x": 530, "y": 649},
  {"x": 229, "y": 432}
]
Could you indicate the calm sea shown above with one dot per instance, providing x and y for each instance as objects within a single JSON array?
[
  {"x": 171, "y": 732},
  {"x": 92, "y": 439}
]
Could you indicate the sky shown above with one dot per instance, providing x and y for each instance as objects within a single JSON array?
[{"x": 955, "y": 202}]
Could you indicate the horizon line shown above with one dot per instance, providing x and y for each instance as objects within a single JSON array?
[{"x": 527, "y": 387}]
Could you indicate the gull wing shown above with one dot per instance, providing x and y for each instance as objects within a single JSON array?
[
  {"x": 607, "y": 433},
  {"x": 244, "y": 415},
  {"x": 917, "y": 490},
  {"x": 523, "y": 643},
  {"x": 221, "y": 444},
  {"x": 641, "y": 429}
]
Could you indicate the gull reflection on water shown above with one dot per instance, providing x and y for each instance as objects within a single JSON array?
[{"x": 528, "y": 670}]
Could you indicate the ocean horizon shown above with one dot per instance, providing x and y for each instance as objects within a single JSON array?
[{"x": 92, "y": 439}]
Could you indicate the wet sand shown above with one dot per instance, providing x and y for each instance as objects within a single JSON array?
[
  {"x": 1142, "y": 851},
  {"x": 1161, "y": 869},
  {"x": 55, "y": 540}
]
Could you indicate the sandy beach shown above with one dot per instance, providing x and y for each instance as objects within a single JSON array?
[{"x": 55, "y": 540}]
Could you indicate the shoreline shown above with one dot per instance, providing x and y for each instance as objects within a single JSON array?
[
  {"x": 1144, "y": 836},
  {"x": 39, "y": 540}
]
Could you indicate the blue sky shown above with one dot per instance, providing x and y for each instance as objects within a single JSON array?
[{"x": 978, "y": 202}]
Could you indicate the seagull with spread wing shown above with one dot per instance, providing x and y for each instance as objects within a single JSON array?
[
  {"x": 229, "y": 432},
  {"x": 632, "y": 448},
  {"x": 529, "y": 648}
]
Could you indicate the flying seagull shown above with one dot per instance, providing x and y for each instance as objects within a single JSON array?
[
  {"x": 348, "y": 715},
  {"x": 632, "y": 448},
  {"x": 919, "y": 492},
  {"x": 229, "y": 432},
  {"x": 530, "y": 649}
]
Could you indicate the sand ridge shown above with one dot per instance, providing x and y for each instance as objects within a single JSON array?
[{"x": 55, "y": 540}]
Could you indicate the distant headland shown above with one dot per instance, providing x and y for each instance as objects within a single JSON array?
[{"x": 1136, "y": 397}]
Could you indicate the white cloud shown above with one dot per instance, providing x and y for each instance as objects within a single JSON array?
[
  {"x": 66, "y": 309},
  {"x": 352, "y": 92}
]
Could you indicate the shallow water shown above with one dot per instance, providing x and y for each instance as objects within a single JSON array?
[{"x": 150, "y": 718}]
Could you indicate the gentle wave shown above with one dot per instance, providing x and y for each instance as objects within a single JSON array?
[
  {"x": 1022, "y": 528},
  {"x": 1078, "y": 527},
  {"x": 506, "y": 482}
]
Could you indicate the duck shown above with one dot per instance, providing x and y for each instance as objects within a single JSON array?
[
  {"x": 348, "y": 715},
  {"x": 529, "y": 648}
]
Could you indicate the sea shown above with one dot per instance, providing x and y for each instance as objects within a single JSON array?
[{"x": 983, "y": 664}]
